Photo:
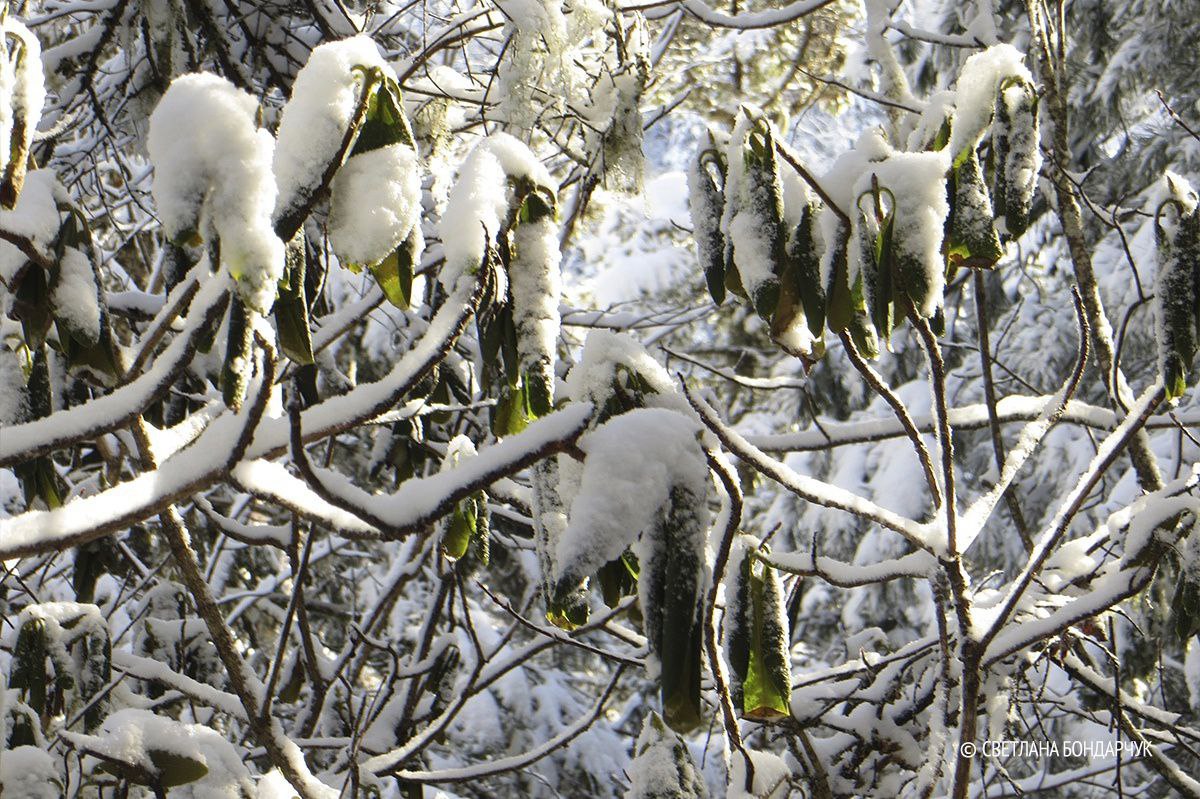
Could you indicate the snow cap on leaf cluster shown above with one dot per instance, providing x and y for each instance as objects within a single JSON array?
[
  {"x": 975, "y": 91},
  {"x": 325, "y": 95},
  {"x": 212, "y": 169},
  {"x": 480, "y": 201},
  {"x": 633, "y": 462}
]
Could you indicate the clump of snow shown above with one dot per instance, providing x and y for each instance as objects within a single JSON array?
[
  {"x": 535, "y": 286},
  {"x": 662, "y": 766},
  {"x": 212, "y": 167},
  {"x": 633, "y": 463},
  {"x": 75, "y": 296},
  {"x": 591, "y": 380},
  {"x": 771, "y": 775},
  {"x": 975, "y": 91},
  {"x": 375, "y": 203},
  {"x": 537, "y": 34},
  {"x": 274, "y": 785},
  {"x": 30, "y": 773},
  {"x": 13, "y": 406},
  {"x": 839, "y": 183},
  {"x": 36, "y": 214},
  {"x": 325, "y": 94},
  {"x": 131, "y": 735},
  {"x": 479, "y": 202}
]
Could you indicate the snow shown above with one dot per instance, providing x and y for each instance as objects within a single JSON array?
[
  {"x": 534, "y": 58},
  {"x": 325, "y": 94},
  {"x": 1024, "y": 146},
  {"x": 839, "y": 183},
  {"x": 274, "y": 785},
  {"x": 420, "y": 500},
  {"x": 633, "y": 463},
  {"x": 591, "y": 379},
  {"x": 975, "y": 92},
  {"x": 212, "y": 167},
  {"x": 662, "y": 766},
  {"x": 706, "y": 206},
  {"x": 375, "y": 203},
  {"x": 113, "y": 409},
  {"x": 13, "y": 405},
  {"x": 75, "y": 297},
  {"x": 145, "y": 668},
  {"x": 479, "y": 202}
]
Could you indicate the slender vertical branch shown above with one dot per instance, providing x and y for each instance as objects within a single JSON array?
[
  {"x": 880, "y": 387},
  {"x": 989, "y": 395}
]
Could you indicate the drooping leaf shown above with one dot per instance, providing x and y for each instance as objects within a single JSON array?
[
  {"x": 662, "y": 767},
  {"x": 394, "y": 274},
  {"x": 972, "y": 241},
  {"x": 28, "y": 670},
  {"x": 680, "y": 632},
  {"x": 175, "y": 769},
  {"x": 1185, "y": 607},
  {"x": 1176, "y": 292},
  {"x": 707, "y": 204},
  {"x": 618, "y": 579},
  {"x": 291, "y": 306},
  {"x": 804, "y": 269},
  {"x": 235, "y": 374},
  {"x": 385, "y": 123}
]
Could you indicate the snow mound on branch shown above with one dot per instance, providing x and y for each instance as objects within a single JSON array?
[
  {"x": 22, "y": 89},
  {"x": 212, "y": 166},
  {"x": 375, "y": 202},
  {"x": 590, "y": 380},
  {"x": 325, "y": 95},
  {"x": 633, "y": 462},
  {"x": 771, "y": 774}
]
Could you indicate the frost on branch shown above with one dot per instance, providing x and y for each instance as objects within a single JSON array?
[
  {"x": 616, "y": 101},
  {"x": 212, "y": 175}
]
